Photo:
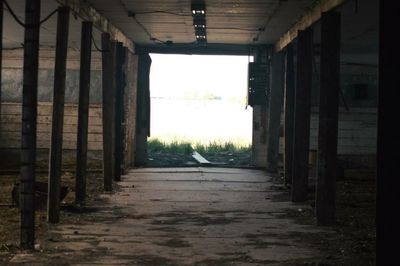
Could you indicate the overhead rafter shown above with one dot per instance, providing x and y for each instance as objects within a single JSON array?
[
  {"x": 210, "y": 49},
  {"x": 87, "y": 12},
  {"x": 307, "y": 20}
]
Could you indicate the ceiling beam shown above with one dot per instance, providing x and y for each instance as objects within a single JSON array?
[
  {"x": 87, "y": 12},
  {"x": 209, "y": 49},
  {"x": 309, "y": 18}
]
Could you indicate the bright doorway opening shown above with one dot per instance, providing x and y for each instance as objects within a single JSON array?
[{"x": 200, "y": 100}]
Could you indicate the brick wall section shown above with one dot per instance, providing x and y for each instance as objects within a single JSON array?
[
  {"x": 11, "y": 126},
  {"x": 10, "y": 136},
  {"x": 357, "y": 131}
]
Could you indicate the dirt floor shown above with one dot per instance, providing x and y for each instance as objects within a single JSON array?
[
  {"x": 350, "y": 242},
  {"x": 354, "y": 241},
  {"x": 9, "y": 213}
]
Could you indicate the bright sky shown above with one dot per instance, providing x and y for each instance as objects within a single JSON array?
[
  {"x": 174, "y": 75},
  {"x": 181, "y": 87}
]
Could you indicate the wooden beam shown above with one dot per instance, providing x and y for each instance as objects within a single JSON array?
[
  {"x": 388, "y": 145},
  {"x": 29, "y": 119},
  {"x": 84, "y": 10},
  {"x": 274, "y": 112},
  {"x": 1, "y": 55},
  {"x": 200, "y": 159},
  {"x": 301, "y": 140},
  {"x": 60, "y": 70},
  {"x": 288, "y": 114},
  {"x": 143, "y": 110},
  {"x": 131, "y": 95},
  {"x": 328, "y": 118},
  {"x": 108, "y": 110},
  {"x": 119, "y": 110},
  {"x": 262, "y": 54},
  {"x": 83, "y": 111},
  {"x": 210, "y": 49},
  {"x": 309, "y": 18}
]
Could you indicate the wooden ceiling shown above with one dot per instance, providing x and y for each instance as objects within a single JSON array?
[
  {"x": 228, "y": 21},
  {"x": 232, "y": 22}
]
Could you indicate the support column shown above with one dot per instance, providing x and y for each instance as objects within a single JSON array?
[
  {"x": 119, "y": 110},
  {"x": 60, "y": 69},
  {"x": 83, "y": 111},
  {"x": 260, "y": 117},
  {"x": 328, "y": 118},
  {"x": 301, "y": 140},
  {"x": 1, "y": 56},
  {"x": 388, "y": 182},
  {"x": 143, "y": 110},
  {"x": 275, "y": 110},
  {"x": 131, "y": 71},
  {"x": 108, "y": 56},
  {"x": 29, "y": 119},
  {"x": 289, "y": 115}
]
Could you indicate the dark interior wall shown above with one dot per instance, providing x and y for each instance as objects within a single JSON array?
[
  {"x": 12, "y": 77},
  {"x": 12, "y": 96},
  {"x": 358, "y": 82},
  {"x": 357, "y": 130},
  {"x": 10, "y": 136},
  {"x": 12, "y": 85}
]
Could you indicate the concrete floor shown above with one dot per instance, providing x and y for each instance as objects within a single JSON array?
[{"x": 185, "y": 216}]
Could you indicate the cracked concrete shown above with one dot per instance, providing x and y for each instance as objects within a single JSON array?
[{"x": 186, "y": 216}]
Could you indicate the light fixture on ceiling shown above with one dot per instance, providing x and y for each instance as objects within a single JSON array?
[{"x": 198, "y": 9}]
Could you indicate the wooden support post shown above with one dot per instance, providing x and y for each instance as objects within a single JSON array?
[
  {"x": 131, "y": 95},
  {"x": 29, "y": 119},
  {"x": 328, "y": 118},
  {"x": 83, "y": 111},
  {"x": 108, "y": 110},
  {"x": 124, "y": 110},
  {"x": 60, "y": 69},
  {"x": 143, "y": 110},
  {"x": 301, "y": 140},
  {"x": 388, "y": 181},
  {"x": 289, "y": 115},
  {"x": 119, "y": 110},
  {"x": 260, "y": 117},
  {"x": 275, "y": 109},
  {"x": 1, "y": 56}
]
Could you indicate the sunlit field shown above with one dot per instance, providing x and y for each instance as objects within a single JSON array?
[
  {"x": 200, "y": 121},
  {"x": 200, "y": 99}
]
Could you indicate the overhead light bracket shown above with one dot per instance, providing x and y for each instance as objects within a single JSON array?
[{"x": 198, "y": 9}]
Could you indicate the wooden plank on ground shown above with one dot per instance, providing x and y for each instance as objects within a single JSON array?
[{"x": 200, "y": 159}]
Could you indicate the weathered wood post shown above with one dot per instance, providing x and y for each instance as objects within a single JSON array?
[
  {"x": 388, "y": 182},
  {"x": 60, "y": 69},
  {"x": 260, "y": 116},
  {"x": 289, "y": 114},
  {"x": 143, "y": 109},
  {"x": 119, "y": 110},
  {"x": 29, "y": 119},
  {"x": 108, "y": 110},
  {"x": 83, "y": 111},
  {"x": 1, "y": 55},
  {"x": 274, "y": 112},
  {"x": 328, "y": 118},
  {"x": 301, "y": 140}
]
